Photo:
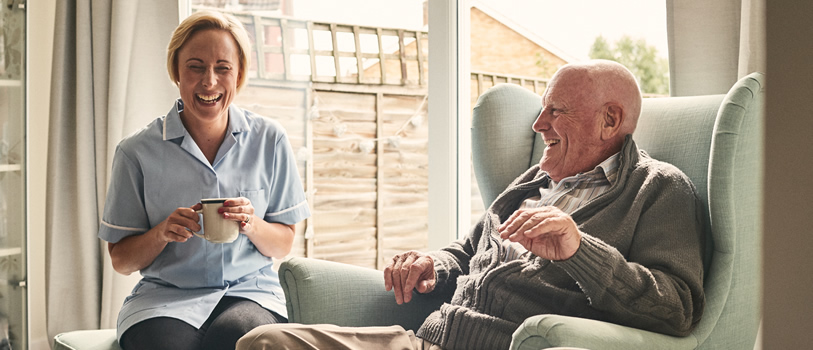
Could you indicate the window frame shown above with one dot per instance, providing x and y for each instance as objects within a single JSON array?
[{"x": 450, "y": 124}]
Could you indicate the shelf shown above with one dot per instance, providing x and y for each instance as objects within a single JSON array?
[
  {"x": 10, "y": 167},
  {"x": 10, "y": 251},
  {"x": 9, "y": 82}
]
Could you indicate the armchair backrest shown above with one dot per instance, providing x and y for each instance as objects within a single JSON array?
[{"x": 716, "y": 140}]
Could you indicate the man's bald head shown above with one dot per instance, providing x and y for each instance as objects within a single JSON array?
[{"x": 605, "y": 82}]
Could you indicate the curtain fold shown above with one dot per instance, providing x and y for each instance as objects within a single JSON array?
[
  {"x": 752, "y": 38},
  {"x": 109, "y": 79},
  {"x": 713, "y": 43}
]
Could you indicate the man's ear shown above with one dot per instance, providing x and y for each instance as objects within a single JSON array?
[{"x": 611, "y": 120}]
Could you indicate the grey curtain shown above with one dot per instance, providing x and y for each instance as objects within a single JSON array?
[
  {"x": 713, "y": 43},
  {"x": 109, "y": 79}
]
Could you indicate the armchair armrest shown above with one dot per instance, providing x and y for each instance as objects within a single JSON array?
[
  {"x": 544, "y": 331},
  {"x": 319, "y": 291}
]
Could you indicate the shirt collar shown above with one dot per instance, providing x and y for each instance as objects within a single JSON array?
[
  {"x": 173, "y": 127},
  {"x": 610, "y": 167},
  {"x": 607, "y": 169}
]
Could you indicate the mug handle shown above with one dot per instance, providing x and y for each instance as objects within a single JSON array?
[{"x": 195, "y": 233}]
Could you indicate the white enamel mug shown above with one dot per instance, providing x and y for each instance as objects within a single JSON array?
[{"x": 216, "y": 229}]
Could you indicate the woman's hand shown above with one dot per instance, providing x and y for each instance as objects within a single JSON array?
[
  {"x": 136, "y": 252},
  {"x": 272, "y": 239},
  {"x": 179, "y": 226},
  {"x": 240, "y": 210}
]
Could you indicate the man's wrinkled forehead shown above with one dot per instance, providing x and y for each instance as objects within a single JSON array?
[{"x": 570, "y": 83}]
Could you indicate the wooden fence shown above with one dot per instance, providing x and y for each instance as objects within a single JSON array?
[
  {"x": 298, "y": 50},
  {"x": 363, "y": 157},
  {"x": 353, "y": 100}
]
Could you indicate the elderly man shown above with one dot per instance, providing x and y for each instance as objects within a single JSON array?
[{"x": 597, "y": 229}]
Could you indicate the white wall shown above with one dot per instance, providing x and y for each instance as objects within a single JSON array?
[{"x": 40, "y": 48}]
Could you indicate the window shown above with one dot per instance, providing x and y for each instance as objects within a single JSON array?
[
  {"x": 350, "y": 81},
  {"x": 524, "y": 42},
  {"x": 350, "y": 86}
]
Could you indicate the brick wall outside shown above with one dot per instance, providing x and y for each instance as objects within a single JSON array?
[{"x": 495, "y": 48}]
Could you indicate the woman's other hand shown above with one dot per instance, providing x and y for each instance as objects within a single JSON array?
[
  {"x": 180, "y": 225},
  {"x": 240, "y": 210},
  {"x": 136, "y": 252}
]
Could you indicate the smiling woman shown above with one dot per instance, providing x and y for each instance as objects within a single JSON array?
[{"x": 204, "y": 148}]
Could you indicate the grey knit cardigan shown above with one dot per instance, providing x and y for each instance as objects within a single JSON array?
[{"x": 640, "y": 262}]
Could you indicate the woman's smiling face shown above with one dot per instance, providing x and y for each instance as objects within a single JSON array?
[{"x": 208, "y": 71}]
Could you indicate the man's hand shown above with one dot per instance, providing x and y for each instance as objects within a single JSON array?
[
  {"x": 547, "y": 232},
  {"x": 407, "y": 271}
]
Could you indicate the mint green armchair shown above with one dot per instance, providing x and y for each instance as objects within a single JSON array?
[{"x": 716, "y": 140}]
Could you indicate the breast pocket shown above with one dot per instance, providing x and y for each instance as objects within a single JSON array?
[{"x": 258, "y": 201}]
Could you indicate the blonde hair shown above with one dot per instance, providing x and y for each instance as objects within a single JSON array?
[{"x": 202, "y": 20}]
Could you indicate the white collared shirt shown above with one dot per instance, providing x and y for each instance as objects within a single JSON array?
[{"x": 568, "y": 195}]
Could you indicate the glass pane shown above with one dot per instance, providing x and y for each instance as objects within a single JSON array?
[
  {"x": 369, "y": 43},
  {"x": 346, "y": 42},
  {"x": 354, "y": 106},
  {"x": 12, "y": 178},
  {"x": 322, "y": 40},
  {"x": 300, "y": 39},
  {"x": 525, "y": 41}
]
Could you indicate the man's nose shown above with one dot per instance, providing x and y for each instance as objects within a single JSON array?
[{"x": 542, "y": 123}]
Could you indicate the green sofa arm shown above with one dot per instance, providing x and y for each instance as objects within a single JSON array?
[
  {"x": 545, "y": 331},
  {"x": 319, "y": 291}
]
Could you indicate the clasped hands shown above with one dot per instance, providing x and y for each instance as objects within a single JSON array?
[
  {"x": 547, "y": 232},
  {"x": 181, "y": 224}
]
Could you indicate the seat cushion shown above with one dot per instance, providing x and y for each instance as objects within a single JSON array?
[{"x": 101, "y": 339}]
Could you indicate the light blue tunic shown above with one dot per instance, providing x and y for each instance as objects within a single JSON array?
[{"x": 159, "y": 169}]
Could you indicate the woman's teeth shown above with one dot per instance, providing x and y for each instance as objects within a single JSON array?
[
  {"x": 209, "y": 98},
  {"x": 551, "y": 142}
]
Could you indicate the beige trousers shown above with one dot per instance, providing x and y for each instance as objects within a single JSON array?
[{"x": 331, "y": 337}]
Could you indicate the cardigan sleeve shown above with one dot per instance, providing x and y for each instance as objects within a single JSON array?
[{"x": 454, "y": 260}]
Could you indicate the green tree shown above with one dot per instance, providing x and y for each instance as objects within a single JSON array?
[
  {"x": 642, "y": 60},
  {"x": 547, "y": 68}
]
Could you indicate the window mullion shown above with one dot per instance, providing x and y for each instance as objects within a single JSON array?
[{"x": 449, "y": 135}]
